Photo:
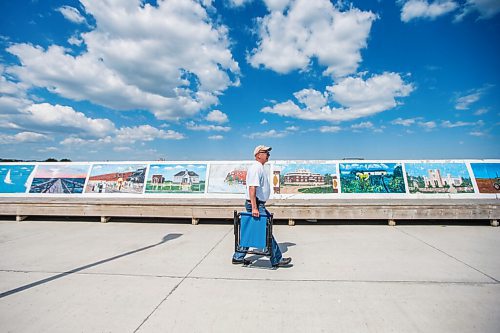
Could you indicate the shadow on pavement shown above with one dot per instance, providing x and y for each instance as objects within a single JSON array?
[{"x": 165, "y": 239}]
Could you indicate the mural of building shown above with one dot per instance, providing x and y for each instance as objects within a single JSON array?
[
  {"x": 435, "y": 180},
  {"x": 157, "y": 179},
  {"x": 186, "y": 177},
  {"x": 237, "y": 176},
  {"x": 303, "y": 176}
]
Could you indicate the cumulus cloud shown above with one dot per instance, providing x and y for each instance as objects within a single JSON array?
[
  {"x": 217, "y": 116},
  {"x": 216, "y": 137},
  {"x": 72, "y": 14},
  {"x": 23, "y": 137},
  {"x": 427, "y": 125},
  {"x": 363, "y": 125},
  {"x": 170, "y": 59},
  {"x": 449, "y": 124},
  {"x": 191, "y": 125},
  {"x": 145, "y": 133},
  {"x": 422, "y": 9},
  {"x": 296, "y": 31},
  {"x": 464, "y": 102},
  {"x": 358, "y": 98}
]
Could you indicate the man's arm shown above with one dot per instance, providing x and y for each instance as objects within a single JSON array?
[{"x": 252, "y": 191}]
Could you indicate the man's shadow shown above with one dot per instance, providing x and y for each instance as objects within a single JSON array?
[
  {"x": 165, "y": 239},
  {"x": 262, "y": 262}
]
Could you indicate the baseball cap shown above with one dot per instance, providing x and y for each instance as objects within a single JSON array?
[{"x": 261, "y": 147}]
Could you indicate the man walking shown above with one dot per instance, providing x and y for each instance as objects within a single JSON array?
[{"x": 258, "y": 191}]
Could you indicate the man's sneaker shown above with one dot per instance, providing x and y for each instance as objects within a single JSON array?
[
  {"x": 283, "y": 262},
  {"x": 245, "y": 262}
]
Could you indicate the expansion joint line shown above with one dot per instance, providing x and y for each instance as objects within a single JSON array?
[
  {"x": 183, "y": 279},
  {"x": 449, "y": 255}
]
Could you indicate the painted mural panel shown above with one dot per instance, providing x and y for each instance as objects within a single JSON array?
[
  {"x": 59, "y": 179},
  {"x": 371, "y": 178},
  {"x": 305, "y": 178},
  {"x": 116, "y": 178},
  {"x": 15, "y": 178},
  {"x": 228, "y": 178},
  {"x": 438, "y": 178},
  {"x": 176, "y": 178},
  {"x": 487, "y": 177}
]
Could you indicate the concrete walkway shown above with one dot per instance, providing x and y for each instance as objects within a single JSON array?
[{"x": 143, "y": 277}]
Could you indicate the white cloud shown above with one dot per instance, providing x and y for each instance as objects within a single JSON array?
[
  {"x": 145, "y": 133},
  {"x": 481, "y": 111},
  {"x": 263, "y": 122},
  {"x": 449, "y": 124},
  {"x": 215, "y": 137},
  {"x": 404, "y": 122},
  {"x": 170, "y": 59},
  {"x": 486, "y": 9},
  {"x": 427, "y": 125},
  {"x": 477, "y": 133},
  {"x": 296, "y": 31},
  {"x": 191, "y": 125},
  {"x": 358, "y": 97},
  {"x": 267, "y": 134},
  {"x": 330, "y": 129},
  {"x": 122, "y": 149},
  {"x": 238, "y": 3},
  {"x": 464, "y": 102},
  {"x": 72, "y": 14},
  {"x": 217, "y": 116},
  {"x": 363, "y": 125},
  {"x": 23, "y": 137},
  {"x": 415, "y": 9},
  {"x": 292, "y": 128}
]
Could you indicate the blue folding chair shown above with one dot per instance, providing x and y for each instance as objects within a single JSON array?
[{"x": 255, "y": 233}]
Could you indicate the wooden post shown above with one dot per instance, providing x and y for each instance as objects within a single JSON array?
[
  {"x": 195, "y": 221},
  {"x": 494, "y": 223},
  {"x": 20, "y": 218},
  {"x": 105, "y": 219},
  {"x": 392, "y": 223},
  {"x": 291, "y": 222}
]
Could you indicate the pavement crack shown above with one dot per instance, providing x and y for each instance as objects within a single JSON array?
[
  {"x": 182, "y": 280},
  {"x": 449, "y": 255}
]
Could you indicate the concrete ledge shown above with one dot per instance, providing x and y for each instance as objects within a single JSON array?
[{"x": 195, "y": 209}]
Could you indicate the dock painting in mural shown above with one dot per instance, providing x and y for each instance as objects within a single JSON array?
[
  {"x": 59, "y": 179},
  {"x": 305, "y": 178},
  {"x": 15, "y": 178},
  {"x": 176, "y": 178},
  {"x": 228, "y": 178},
  {"x": 438, "y": 178},
  {"x": 487, "y": 177},
  {"x": 116, "y": 178},
  {"x": 375, "y": 177}
]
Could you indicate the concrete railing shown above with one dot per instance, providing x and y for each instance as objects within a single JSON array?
[{"x": 390, "y": 190}]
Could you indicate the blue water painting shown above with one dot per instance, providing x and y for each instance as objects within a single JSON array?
[{"x": 14, "y": 178}]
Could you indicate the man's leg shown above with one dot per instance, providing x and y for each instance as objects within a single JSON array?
[
  {"x": 275, "y": 249},
  {"x": 240, "y": 256}
]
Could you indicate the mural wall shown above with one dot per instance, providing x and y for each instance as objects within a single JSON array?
[
  {"x": 305, "y": 178},
  {"x": 372, "y": 178},
  {"x": 15, "y": 178},
  {"x": 432, "y": 178},
  {"x": 67, "y": 179},
  {"x": 487, "y": 177},
  {"x": 116, "y": 178},
  {"x": 289, "y": 179},
  {"x": 176, "y": 178}
]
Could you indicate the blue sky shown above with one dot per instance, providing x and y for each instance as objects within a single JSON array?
[{"x": 210, "y": 80}]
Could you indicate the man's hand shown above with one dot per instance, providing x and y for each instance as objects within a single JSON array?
[{"x": 255, "y": 212}]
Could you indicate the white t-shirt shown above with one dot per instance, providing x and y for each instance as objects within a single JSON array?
[{"x": 256, "y": 176}]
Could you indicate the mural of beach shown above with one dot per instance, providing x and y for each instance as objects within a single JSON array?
[
  {"x": 59, "y": 179},
  {"x": 116, "y": 178},
  {"x": 487, "y": 177},
  {"x": 15, "y": 178},
  {"x": 438, "y": 178},
  {"x": 305, "y": 178},
  {"x": 372, "y": 178},
  {"x": 176, "y": 178}
]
